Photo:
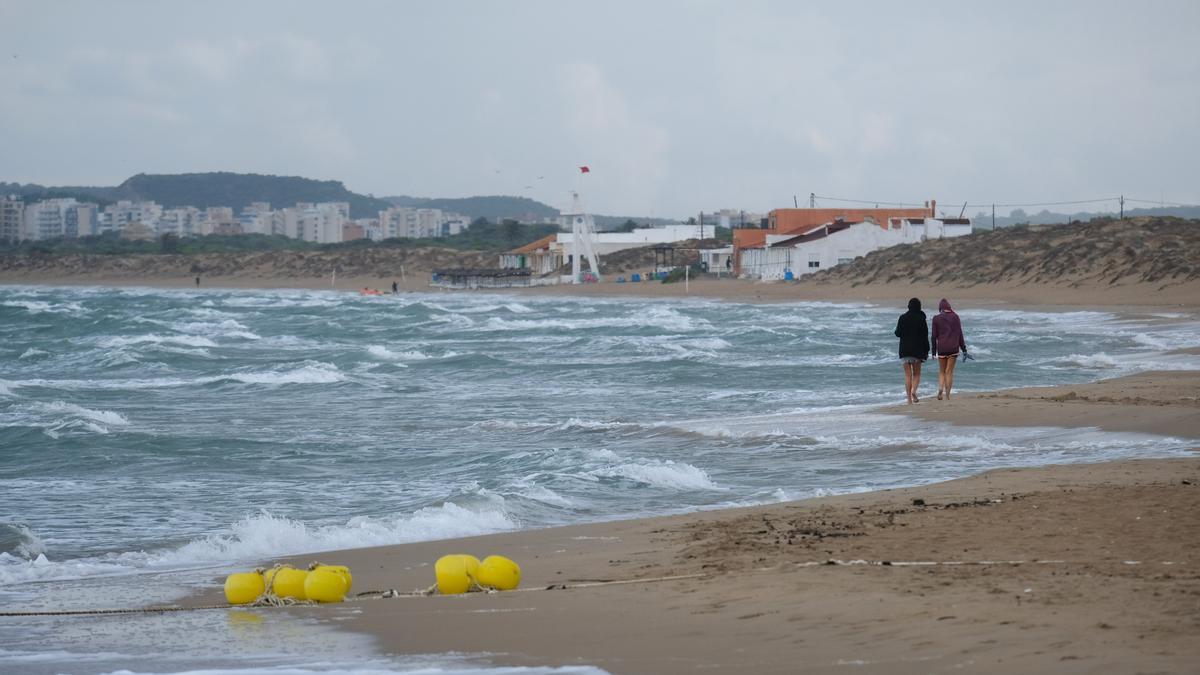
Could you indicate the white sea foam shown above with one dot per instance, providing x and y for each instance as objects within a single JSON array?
[
  {"x": 227, "y": 328},
  {"x": 663, "y": 318},
  {"x": 265, "y": 535},
  {"x": 32, "y": 352},
  {"x": 151, "y": 338},
  {"x": 311, "y": 373},
  {"x": 39, "y": 306},
  {"x": 661, "y": 474},
  {"x": 1099, "y": 360},
  {"x": 541, "y": 493},
  {"x": 117, "y": 357},
  {"x": 385, "y": 354},
  {"x": 381, "y": 352},
  {"x": 19, "y": 541},
  {"x": 102, "y": 416}
]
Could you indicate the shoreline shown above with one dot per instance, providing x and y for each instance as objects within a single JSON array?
[
  {"x": 1051, "y": 297},
  {"x": 1034, "y": 572},
  {"x": 1011, "y": 570}
]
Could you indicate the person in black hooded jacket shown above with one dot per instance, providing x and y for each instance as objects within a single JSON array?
[{"x": 914, "y": 347}]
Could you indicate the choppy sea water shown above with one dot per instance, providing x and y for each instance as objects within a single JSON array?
[{"x": 145, "y": 434}]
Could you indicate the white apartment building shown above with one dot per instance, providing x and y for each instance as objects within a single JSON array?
[
  {"x": 730, "y": 218},
  {"x": 12, "y": 218},
  {"x": 186, "y": 221},
  {"x": 286, "y": 222},
  {"x": 58, "y": 218},
  {"x": 413, "y": 223},
  {"x": 117, "y": 216},
  {"x": 257, "y": 218},
  {"x": 320, "y": 223}
]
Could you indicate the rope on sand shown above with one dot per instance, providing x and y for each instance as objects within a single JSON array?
[
  {"x": 270, "y": 600},
  {"x": 476, "y": 588},
  {"x": 961, "y": 563}
]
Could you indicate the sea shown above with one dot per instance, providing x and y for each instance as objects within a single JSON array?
[{"x": 152, "y": 439}]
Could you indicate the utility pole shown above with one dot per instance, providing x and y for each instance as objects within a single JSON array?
[
  {"x": 795, "y": 203},
  {"x": 993, "y": 217},
  {"x": 812, "y": 200},
  {"x": 701, "y": 224},
  {"x": 1122, "y": 207}
]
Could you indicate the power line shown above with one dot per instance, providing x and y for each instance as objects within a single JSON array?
[
  {"x": 1007, "y": 205},
  {"x": 1157, "y": 201}
]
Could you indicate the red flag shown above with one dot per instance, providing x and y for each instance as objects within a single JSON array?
[{"x": 584, "y": 169}]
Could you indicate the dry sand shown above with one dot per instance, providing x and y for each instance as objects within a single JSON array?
[
  {"x": 765, "y": 607},
  {"x": 1064, "y": 569}
]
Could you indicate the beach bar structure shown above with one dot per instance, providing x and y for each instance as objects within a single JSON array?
[
  {"x": 548, "y": 254},
  {"x": 465, "y": 278}
]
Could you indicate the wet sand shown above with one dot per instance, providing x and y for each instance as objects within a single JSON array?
[
  {"x": 1166, "y": 403},
  {"x": 1064, "y": 569}
]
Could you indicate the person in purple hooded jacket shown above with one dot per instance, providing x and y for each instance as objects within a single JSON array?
[{"x": 947, "y": 340}]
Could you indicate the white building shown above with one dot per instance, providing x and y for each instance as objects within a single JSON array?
[
  {"x": 58, "y": 218},
  {"x": 185, "y": 221},
  {"x": 418, "y": 223},
  {"x": 784, "y": 256},
  {"x": 611, "y": 242},
  {"x": 257, "y": 218},
  {"x": 12, "y": 218},
  {"x": 548, "y": 254},
  {"x": 117, "y": 216},
  {"x": 321, "y": 223},
  {"x": 731, "y": 218}
]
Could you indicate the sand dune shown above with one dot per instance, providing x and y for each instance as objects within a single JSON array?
[{"x": 1162, "y": 252}]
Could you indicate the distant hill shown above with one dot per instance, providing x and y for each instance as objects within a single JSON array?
[
  {"x": 203, "y": 190},
  {"x": 1104, "y": 252},
  {"x": 983, "y": 220},
  {"x": 497, "y": 208},
  {"x": 33, "y": 193},
  {"x": 238, "y": 190},
  {"x": 493, "y": 207}
]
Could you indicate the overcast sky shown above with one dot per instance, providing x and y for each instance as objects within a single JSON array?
[{"x": 675, "y": 106}]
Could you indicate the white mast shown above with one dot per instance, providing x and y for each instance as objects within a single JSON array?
[{"x": 583, "y": 240}]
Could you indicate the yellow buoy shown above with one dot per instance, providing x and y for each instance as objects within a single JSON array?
[
  {"x": 455, "y": 573},
  {"x": 499, "y": 573},
  {"x": 325, "y": 585},
  {"x": 243, "y": 588},
  {"x": 287, "y": 582},
  {"x": 340, "y": 569}
]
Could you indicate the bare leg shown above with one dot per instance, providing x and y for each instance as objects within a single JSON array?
[
  {"x": 950, "y": 362},
  {"x": 916, "y": 381},
  {"x": 941, "y": 377},
  {"x": 908, "y": 381}
]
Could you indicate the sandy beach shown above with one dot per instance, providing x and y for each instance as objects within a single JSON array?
[{"x": 1066, "y": 569}]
